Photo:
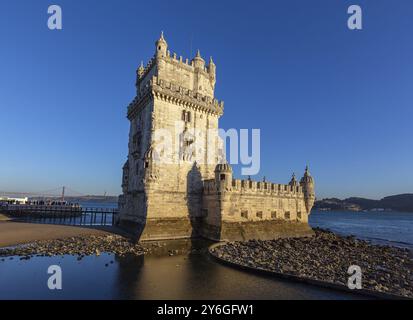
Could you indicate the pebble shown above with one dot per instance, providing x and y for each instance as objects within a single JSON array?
[
  {"x": 327, "y": 257},
  {"x": 76, "y": 246}
]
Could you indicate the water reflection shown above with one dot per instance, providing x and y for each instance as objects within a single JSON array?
[{"x": 188, "y": 274}]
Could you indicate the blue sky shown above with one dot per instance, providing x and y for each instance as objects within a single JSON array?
[{"x": 338, "y": 100}]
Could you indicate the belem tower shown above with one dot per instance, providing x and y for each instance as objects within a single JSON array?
[{"x": 179, "y": 185}]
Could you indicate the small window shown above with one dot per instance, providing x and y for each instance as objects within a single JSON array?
[
  {"x": 274, "y": 215},
  {"x": 299, "y": 215},
  {"x": 222, "y": 177},
  {"x": 259, "y": 214},
  {"x": 287, "y": 215},
  {"x": 146, "y": 164},
  {"x": 244, "y": 214},
  {"x": 186, "y": 116}
]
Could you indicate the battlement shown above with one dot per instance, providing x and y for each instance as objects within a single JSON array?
[
  {"x": 186, "y": 64},
  {"x": 177, "y": 94},
  {"x": 259, "y": 187},
  {"x": 193, "y": 75}
]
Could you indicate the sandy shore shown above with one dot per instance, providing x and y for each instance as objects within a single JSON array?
[
  {"x": 13, "y": 233},
  {"x": 4, "y": 218}
]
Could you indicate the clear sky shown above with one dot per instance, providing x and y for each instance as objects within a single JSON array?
[{"x": 338, "y": 100}]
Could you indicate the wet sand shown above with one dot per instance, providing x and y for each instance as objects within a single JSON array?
[
  {"x": 13, "y": 233},
  {"x": 3, "y": 217}
]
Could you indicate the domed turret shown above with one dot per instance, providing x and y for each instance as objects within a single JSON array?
[
  {"x": 223, "y": 176},
  {"x": 198, "y": 61},
  {"x": 223, "y": 167},
  {"x": 307, "y": 184},
  {"x": 161, "y": 46}
]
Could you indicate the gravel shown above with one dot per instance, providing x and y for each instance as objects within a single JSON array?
[{"x": 326, "y": 257}]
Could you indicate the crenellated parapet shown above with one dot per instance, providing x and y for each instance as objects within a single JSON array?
[
  {"x": 179, "y": 62},
  {"x": 175, "y": 94},
  {"x": 258, "y": 187}
]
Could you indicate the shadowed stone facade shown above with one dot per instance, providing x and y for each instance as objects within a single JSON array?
[{"x": 179, "y": 185}]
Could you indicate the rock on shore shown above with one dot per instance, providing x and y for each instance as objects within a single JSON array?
[
  {"x": 77, "y": 246},
  {"x": 327, "y": 257}
]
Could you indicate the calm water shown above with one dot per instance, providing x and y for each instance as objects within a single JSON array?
[
  {"x": 189, "y": 275},
  {"x": 186, "y": 276},
  {"x": 394, "y": 228}
]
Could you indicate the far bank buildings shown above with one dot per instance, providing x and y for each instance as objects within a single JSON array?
[{"x": 187, "y": 192}]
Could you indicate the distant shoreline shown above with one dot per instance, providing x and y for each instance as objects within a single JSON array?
[{"x": 399, "y": 203}]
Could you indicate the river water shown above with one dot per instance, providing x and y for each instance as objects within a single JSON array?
[
  {"x": 183, "y": 276},
  {"x": 192, "y": 274}
]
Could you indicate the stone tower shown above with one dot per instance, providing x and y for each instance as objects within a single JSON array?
[
  {"x": 176, "y": 182},
  {"x": 173, "y": 145}
]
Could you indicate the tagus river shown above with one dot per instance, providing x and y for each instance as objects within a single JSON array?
[
  {"x": 191, "y": 274},
  {"x": 182, "y": 276}
]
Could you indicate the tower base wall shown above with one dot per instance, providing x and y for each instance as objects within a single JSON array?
[
  {"x": 180, "y": 228},
  {"x": 256, "y": 230}
]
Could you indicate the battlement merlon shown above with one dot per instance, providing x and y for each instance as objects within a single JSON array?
[
  {"x": 176, "y": 94},
  {"x": 224, "y": 183},
  {"x": 210, "y": 186},
  {"x": 193, "y": 75}
]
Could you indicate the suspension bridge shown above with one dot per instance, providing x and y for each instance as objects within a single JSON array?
[{"x": 59, "y": 192}]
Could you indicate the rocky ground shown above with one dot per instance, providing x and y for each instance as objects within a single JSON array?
[
  {"x": 78, "y": 246},
  {"x": 327, "y": 257}
]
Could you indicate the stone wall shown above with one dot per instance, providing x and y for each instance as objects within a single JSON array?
[{"x": 171, "y": 185}]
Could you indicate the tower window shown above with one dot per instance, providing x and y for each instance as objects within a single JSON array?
[
  {"x": 274, "y": 215},
  {"x": 287, "y": 215},
  {"x": 259, "y": 214},
  {"x": 244, "y": 214},
  {"x": 222, "y": 177},
  {"x": 186, "y": 116}
]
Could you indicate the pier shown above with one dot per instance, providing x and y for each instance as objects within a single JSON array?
[{"x": 65, "y": 215}]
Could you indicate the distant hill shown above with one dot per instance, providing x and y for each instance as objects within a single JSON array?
[{"x": 400, "y": 202}]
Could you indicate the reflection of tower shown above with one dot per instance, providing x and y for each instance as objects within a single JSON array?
[{"x": 307, "y": 184}]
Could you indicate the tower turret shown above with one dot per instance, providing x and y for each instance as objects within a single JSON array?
[
  {"x": 140, "y": 70},
  {"x": 139, "y": 74},
  {"x": 293, "y": 181},
  {"x": 307, "y": 183},
  {"x": 223, "y": 176},
  {"x": 212, "y": 72},
  {"x": 198, "y": 61},
  {"x": 161, "y": 46}
]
